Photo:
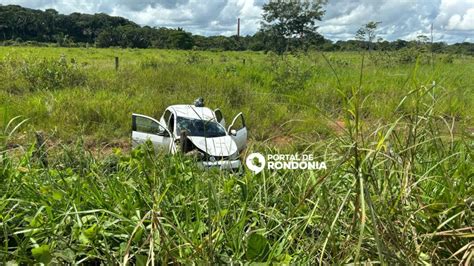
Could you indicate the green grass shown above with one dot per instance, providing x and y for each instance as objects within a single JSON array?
[
  {"x": 397, "y": 139},
  {"x": 91, "y": 98}
]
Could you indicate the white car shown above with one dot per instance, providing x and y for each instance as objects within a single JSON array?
[{"x": 204, "y": 131}]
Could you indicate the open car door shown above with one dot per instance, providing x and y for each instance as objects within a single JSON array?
[
  {"x": 238, "y": 131},
  {"x": 146, "y": 128},
  {"x": 219, "y": 117}
]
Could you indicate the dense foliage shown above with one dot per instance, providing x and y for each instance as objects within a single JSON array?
[
  {"x": 24, "y": 24},
  {"x": 290, "y": 25},
  {"x": 20, "y": 26}
]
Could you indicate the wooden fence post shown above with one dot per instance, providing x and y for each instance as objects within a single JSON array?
[
  {"x": 116, "y": 63},
  {"x": 40, "y": 151},
  {"x": 183, "y": 141}
]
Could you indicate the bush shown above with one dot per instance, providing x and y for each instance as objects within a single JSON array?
[
  {"x": 149, "y": 63},
  {"x": 290, "y": 75},
  {"x": 193, "y": 58},
  {"x": 52, "y": 74},
  {"x": 449, "y": 59}
]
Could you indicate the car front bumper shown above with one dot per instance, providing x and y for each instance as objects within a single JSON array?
[{"x": 223, "y": 165}]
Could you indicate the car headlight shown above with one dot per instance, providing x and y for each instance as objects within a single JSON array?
[
  {"x": 234, "y": 156},
  {"x": 196, "y": 155}
]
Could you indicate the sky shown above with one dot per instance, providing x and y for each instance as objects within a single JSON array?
[{"x": 453, "y": 20}]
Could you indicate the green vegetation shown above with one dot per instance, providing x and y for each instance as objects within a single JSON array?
[
  {"x": 396, "y": 130},
  {"x": 290, "y": 25},
  {"x": 286, "y": 26}
]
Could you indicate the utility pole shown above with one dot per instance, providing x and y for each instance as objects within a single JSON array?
[{"x": 238, "y": 27}]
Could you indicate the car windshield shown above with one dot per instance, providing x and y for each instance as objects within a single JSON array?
[{"x": 200, "y": 128}]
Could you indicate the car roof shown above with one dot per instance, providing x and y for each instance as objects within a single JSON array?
[{"x": 191, "y": 111}]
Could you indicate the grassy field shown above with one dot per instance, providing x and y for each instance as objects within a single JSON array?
[{"x": 396, "y": 131}]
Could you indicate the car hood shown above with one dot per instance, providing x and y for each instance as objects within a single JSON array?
[{"x": 218, "y": 146}]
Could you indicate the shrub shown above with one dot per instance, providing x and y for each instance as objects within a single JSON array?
[
  {"x": 193, "y": 58},
  {"x": 290, "y": 76},
  {"x": 52, "y": 74}
]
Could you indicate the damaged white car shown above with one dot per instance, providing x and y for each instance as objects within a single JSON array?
[{"x": 194, "y": 129}]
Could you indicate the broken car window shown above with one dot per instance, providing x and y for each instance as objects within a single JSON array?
[{"x": 200, "y": 128}]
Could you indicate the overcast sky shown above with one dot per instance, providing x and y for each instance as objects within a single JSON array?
[{"x": 453, "y": 20}]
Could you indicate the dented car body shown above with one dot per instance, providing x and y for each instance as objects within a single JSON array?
[{"x": 194, "y": 130}]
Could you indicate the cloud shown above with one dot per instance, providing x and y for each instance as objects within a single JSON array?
[
  {"x": 453, "y": 20},
  {"x": 207, "y": 18},
  {"x": 398, "y": 18}
]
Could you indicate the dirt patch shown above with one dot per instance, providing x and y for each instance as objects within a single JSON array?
[
  {"x": 282, "y": 141},
  {"x": 338, "y": 126},
  {"x": 105, "y": 148}
]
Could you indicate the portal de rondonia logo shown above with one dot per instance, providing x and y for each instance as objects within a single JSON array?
[{"x": 257, "y": 162}]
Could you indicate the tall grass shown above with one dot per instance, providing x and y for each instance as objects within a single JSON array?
[
  {"x": 97, "y": 100},
  {"x": 398, "y": 189}
]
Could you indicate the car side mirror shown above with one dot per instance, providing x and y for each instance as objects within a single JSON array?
[
  {"x": 163, "y": 133},
  {"x": 233, "y": 132}
]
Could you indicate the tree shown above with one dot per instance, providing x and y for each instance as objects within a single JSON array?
[
  {"x": 256, "y": 42},
  {"x": 421, "y": 43},
  {"x": 367, "y": 33},
  {"x": 290, "y": 22},
  {"x": 179, "y": 39},
  {"x": 133, "y": 37},
  {"x": 422, "y": 39},
  {"x": 107, "y": 38}
]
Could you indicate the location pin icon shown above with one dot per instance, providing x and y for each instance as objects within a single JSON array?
[{"x": 255, "y": 162}]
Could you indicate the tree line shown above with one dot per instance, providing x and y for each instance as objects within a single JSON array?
[{"x": 284, "y": 28}]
